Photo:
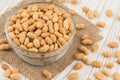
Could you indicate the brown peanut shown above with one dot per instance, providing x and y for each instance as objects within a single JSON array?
[
  {"x": 74, "y": 1},
  {"x": 113, "y": 44},
  {"x": 118, "y": 61},
  {"x": 4, "y": 47},
  {"x": 85, "y": 9},
  {"x": 79, "y": 56},
  {"x": 101, "y": 24},
  {"x": 109, "y": 65},
  {"x": 109, "y": 13},
  {"x": 105, "y": 72},
  {"x": 5, "y": 66},
  {"x": 99, "y": 75},
  {"x": 84, "y": 49},
  {"x": 7, "y": 73},
  {"x": 87, "y": 42},
  {"x": 3, "y": 41},
  {"x": 73, "y": 76},
  {"x": 80, "y": 26},
  {"x": 107, "y": 54},
  {"x": 96, "y": 13},
  {"x": 47, "y": 74},
  {"x": 45, "y": 48},
  {"x": 97, "y": 64},
  {"x": 84, "y": 36},
  {"x": 36, "y": 43},
  {"x": 95, "y": 47},
  {"x": 15, "y": 76},
  {"x": 77, "y": 66},
  {"x": 86, "y": 61},
  {"x": 117, "y": 54},
  {"x": 71, "y": 11},
  {"x": 14, "y": 70},
  {"x": 116, "y": 76}
]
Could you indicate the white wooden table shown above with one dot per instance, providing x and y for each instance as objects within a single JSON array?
[{"x": 110, "y": 33}]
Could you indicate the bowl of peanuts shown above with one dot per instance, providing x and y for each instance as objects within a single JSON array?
[{"x": 40, "y": 33}]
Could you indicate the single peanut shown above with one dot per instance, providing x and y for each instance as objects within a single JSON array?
[
  {"x": 96, "y": 13},
  {"x": 101, "y": 24},
  {"x": 80, "y": 26},
  {"x": 117, "y": 54},
  {"x": 99, "y": 75},
  {"x": 47, "y": 74},
  {"x": 74, "y": 1},
  {"x": 84, "y": 49},
  {"x": 97, "y": 64},
  {"x": 73, "y": 76},
  {"x": 109, "y": 13},
  {"x": 71, "y": 11},
  {"x": 77, "y": 66},
  {"x": 15, "y": 76},
  {"x": 5, "y": 66},
  {"x": 95, "y": 47},
  {"x": 85, "y": 9},
  {"x": 3, "y": 41},
  {"x": 105, "y": 72},
  {"x": 84, "y": 36},
  {"x": 4, "y": 47},
  {"x": 79, "y": 56},
  {"x": 107, "y": 54},
  {"x": 116, "y": 76},
  {"x": 109, "y": 65},
  {"x": 113, "y": 44},
  {"x": 45, "y": 48},
  {"x": 118, "y": 61},
  {"x": 86, "y": 61},
  {"x": 7, "y": 73},
  {"x": 87, "y": 42}
]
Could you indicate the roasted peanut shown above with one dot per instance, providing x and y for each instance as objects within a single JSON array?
[
  {"x": 48, "y": 0},
  {"x": 97, "y": 64},
  {"x": 118, "y": 61},
  {"x": 73, "y": 76},
  {"x": 101, "y": 24},
  {"x": 116, "y": 76},
  {"x": 107, "y": 54},
  {"x": 77, "y": 66},
  {"x": 99, "y": 75},
  {"x": 4, "y": 47},
  {"x": 79, "y": 56},
  {"x": 96, "y": 13},
  {"x": 90, "y": 15},
  {"x": 74, "y": 1},
  {"x": 109, "y": 65},
  {"x": 118, "y": 18},
  {"x": 62, "y": 40},
  {"x": 117, "y": 54},
  {"x": 86, "y": 61},
  {"x": 14, "y": 70},
  {"x": 15, "y": 76},
  {"x": 87, "y": 42},
  {"x": 84, "y": 49},
  {"x": 109, "y": 13},
  {"x": 80, "y": 26},
  {"x": 5, "y": 66},
  {"x": 71, "y": 11},
  {"x": 45, "y": 48},
  {"x": 47, "y": 74},
  {"x": 113, "y": 44},
  {"x": 85, "y": 9},
  {"x": 36, "y": 43},
  {"x": 7, "y": 73},
  {"x": 95, "y": 47},
  {"x": 63, "y": 1},
  {"x": 105, "y": 72},
  {"x": 3, "y": 41},
  {"x": 84, "y": 36}
]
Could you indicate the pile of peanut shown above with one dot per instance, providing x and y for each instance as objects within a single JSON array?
[{"x": 40, "y": 28}]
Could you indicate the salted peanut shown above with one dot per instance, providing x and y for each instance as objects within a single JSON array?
[
  {"x": 99, "y": 75},
  {"x": 45, "y": 48},
  {"x": 89, "y": 79},
  {"x": 109, "y": 13},
  {"x": 27, "y": 40},
  {"x": 56, "y": 45},
  {"x": 30, "y": 22},
  {"x": 3, "y": 41},
  {"x": 79, "y": 56},
  {"x": 24, "y": 14},
  {"x": 37, "y": 32},
  {"x": 34, "y": 8},
  {"x": 83, "y": 49},
  {"x": 23, "y": 46},
  {"x": 13, "y": 18},
  {"x": 46, "y": 18},
  {"x": 66, "y": 24},
  {"x": 101, "y": 24},
  {"x": 109, "y": 65},
  {"x": 39, "y": 25},
  {"x": 33, "y": 49},
  {"x": 53, "y": 37},
  {"x": 74, "y": 1},
  {"x": 30, "y": 45},
  {"x": 10, "y": 28},
  {"x": 16, "y": 41},
  {"x": 71, "y": 11},
  {"x": 48, "y": 40},
  {"x": 62, "y": 30},
  {"x": 85, "y": 9},
  {"x": 44, "y": 29},
  {"x": 84, "y": 36},
  {"x": 90, "y": 15},
  {"x": 17, "y": 32},
  {"x": 50, "y": 26},
  {"x": 58, "y": 34},
  {"x": 107, "y": 54},
  {"x": 45, "y": 34},
  {"x": 36, "y": 43},
  {"x": 18, "y": 26},
  {"x": 5, "y": 66},
  {"x": 116, "y": 76},
  {"x": 4, "y": 47},
  {"x": 47, "y": 74},
  {"x": 22, "y": 38},
  {"x": 62, "y": 40},
  {"x": 55, "y": 18},
  {"x": 66, "y": 37},
  {"x": 80, "y": 26},
  {"x": 7, "y": 73},
  {"x": 87, "y": 42},
  {"x": 117, "y": 54},
  {"x": 23, "y": 20},
  {"x": 42, "y": 42},
  {"x": 97, "y": 64},
  {"x": 95, "y": 13},
  {"x": 56, "y": 27},
  {"x": 35, "y": 16},
  {"x": 15, "y": 76},
  {"x": 31, "y": 35},
  {"x": 12, "y": 35},
  {"x": 15, "y": 70},
  {"x": 10, "y": 23},
  {"x": 77, "y": 66},
  {"x": 63, "y": 1},
  {"x": 95, "y": 47},
  {"x": 105, "y": 72},
  {"x": 118, "y": 61},
  {"x": 25, "y": 26},
  {"x": 86, "y": 61},
  {"x": 73, "y": 76},
  {"x": 118, "y": 18},
  {"x": 52, "y": 47},
  {"x": 113, "y": 44},
  {"x": 48, "y": 0}
]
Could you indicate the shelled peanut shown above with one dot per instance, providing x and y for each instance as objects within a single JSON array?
[{"x": 40, "y": 28}]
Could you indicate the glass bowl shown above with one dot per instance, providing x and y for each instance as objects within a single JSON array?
[{"x": 40, "y": 58}]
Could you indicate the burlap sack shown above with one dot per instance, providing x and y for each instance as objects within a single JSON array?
[{"x": 34, "y": 72}]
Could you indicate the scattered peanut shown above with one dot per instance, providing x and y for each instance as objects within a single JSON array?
[
  {"x": 14, "y": 70},
  {"x": 116, "y": 76},
  {"x": 74, "y": 1},
  {"x": 95, "y": 47},
  {"x": 71, "y": 11},
  {"x": 3, "y": 41},
  {"x": 109, "y": 13},
  {"x": 7, "y": 73},
  {"x": 107, "y": 54},
  {"x": 97, "y": 64},
  {"x": 77, "y": 66},
  {"x": 109, "y": 65},
  {"x": 89, "y": 79},
  {"x": 96, "y": 13},
  {"x": 90, "y": 15},
  {"x": 118, "y": 18},
  {"x": 105, "y": 72},
  {"x": 73, "y": 76},
  {"x": 85, "y": 9},
  {"x": 47, "y": 74},
  {"x": 39, "y": 27},
  {"x": 84, "y": 49},
  {"x": 87, "y": 42},
  {"x": 101, "y": 24},
  {"x": 4, "y": 47},
  {"x": 80, "y": 26},
  {"x": 5, "y": 66},
  {"x": 84, "y": 36},
  {"x": 117, "y": 54},
  {"x": 99, "y": 75},
  {"x": 86, "y": 61},
  {"x": 79, "y": 56},
  {"x": 118, "y": 61},
  {"x": 113, "y": 44},
  {"x": 15, "y": 76},
  {"x": 63, "y": 1}
]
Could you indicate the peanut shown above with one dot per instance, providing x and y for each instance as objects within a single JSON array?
[
  {"x": 84, "y": 36},
  {"x": 90, "y": 15},
  {"x": 87, "y": 42},
  {"x": 117, "y": 54},
  {"x": 80, "y": 26},
  {"x": 31, "y": 35},
  {"x": 3, "y": 41},
  {"x": 101, "y": 24},
  {"x": 118, "y": 61},
  {"x": 96, "y": 13},
  {"x": 7, "y": 73},
  {"x": 45, "y": 48},
  {"x": 79, "y": 56},
  {"x": 47, "y": 74},
  {"x": 89, "y": 79},
  {"x": 74, "y": 1},
  {"x": 36, "y": 43},
  {"x": 99, "y": 76},
  {"x": 118, "y": 18},
  {"x": 33, "y": 49},
  {"x": 97, "y": 64},
  {"x": 113, "y": 44},
  {"x": 71, "y": 11},
  {"x": 63, "y": 1},
  {"x": 109, "y": 13},
  {"x": 48, "y": 40},
  {"x": 14, "y": 70},
  {"x": 16, "y": 41},
  {"x": 77, "y": 66},
  {"x": 105, "y": 72},
  {"x": 5, "y": 66},
  {"x": 107, "y": 54},
  {"x": 109, "y": 65},
  {"x": 86, "y": 61},
  {"x": 62, "y": 40},
  {"x": 15, "y": 76},
  {"x": 73, "y": 76},
  {"x": 84, "y": 50},
  {"x": 95, "y": 47},
  {"x": 116, "y": 76},
  {"x": 85, "y": 9},
  {"x": 4, "y": 47},
  {"x": 48, "y": 0}
]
